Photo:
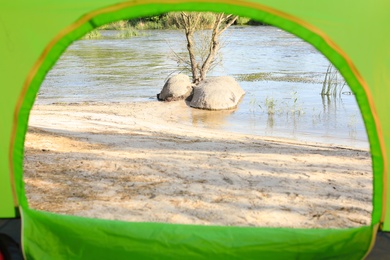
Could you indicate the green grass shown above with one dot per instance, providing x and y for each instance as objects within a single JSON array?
[
  {"x": 150, "y": 25},
  {"x": 128, "y": 33},
  {"x": 168, "y": 21},
  {"x": 118, "y": 25},
  {"x": 95, "y": 34},
  {"x": 242, "y": 21}
]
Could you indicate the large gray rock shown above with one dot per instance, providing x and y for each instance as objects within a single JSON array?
[
  {"x": 177, "y": 87},
  {"x": 217, "y": 94}
]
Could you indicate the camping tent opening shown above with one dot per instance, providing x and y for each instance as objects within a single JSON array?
[
  {"x": 101, "y": 145},
  {"x": 365, "y": 72}
]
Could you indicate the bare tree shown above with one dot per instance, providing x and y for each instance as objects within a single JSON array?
[{"x": 191, "y": 22}]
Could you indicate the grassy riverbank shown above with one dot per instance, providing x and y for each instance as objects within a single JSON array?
[{"x": 167, "y": 21}]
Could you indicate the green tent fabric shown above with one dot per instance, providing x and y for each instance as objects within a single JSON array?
[{"x": 353, "y": 35}]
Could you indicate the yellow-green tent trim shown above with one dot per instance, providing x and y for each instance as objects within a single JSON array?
[{"x": 61, "y": 236}]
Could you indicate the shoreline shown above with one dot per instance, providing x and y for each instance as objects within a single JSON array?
[
  {"x": 216, "y": 120},
  {"x": 135, "y": 162}
]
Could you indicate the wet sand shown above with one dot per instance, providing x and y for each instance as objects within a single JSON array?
[{"x": 137, "y": 162}]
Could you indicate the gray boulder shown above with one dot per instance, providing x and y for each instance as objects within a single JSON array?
[
  {"x": 217, "y": 94},
  {"x": 177, "y": 87}
]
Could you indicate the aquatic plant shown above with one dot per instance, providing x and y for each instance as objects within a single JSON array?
[
  {"x": 270, "y": 105},
  {"x": 333, "y": 83},
  {"x": 352, "y": 122},
  {"x": 289, "y": 107},
  {"x": 271, "y": 76},
  {"x": 253, "y": 104},
  {"x": 296, "y": 109},
  {"x": 252, "y": 76}
]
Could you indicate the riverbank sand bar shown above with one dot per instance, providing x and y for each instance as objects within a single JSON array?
[{"x": 136, "y": 162}]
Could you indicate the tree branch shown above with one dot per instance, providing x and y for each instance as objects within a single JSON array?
[
  {"x": 191, "y": 23},
  {"x": 229, "y": 24}
]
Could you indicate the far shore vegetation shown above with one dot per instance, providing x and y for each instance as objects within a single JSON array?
[{"x": 167, "y": 21}]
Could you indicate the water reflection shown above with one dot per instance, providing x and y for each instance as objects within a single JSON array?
[
  {"x": 270, "y": 122},
  {"x": 210, "y": 119},
  {"x": 332, "y": 106}
]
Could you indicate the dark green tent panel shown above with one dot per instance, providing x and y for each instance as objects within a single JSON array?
[{"x": 33, "y": 35}]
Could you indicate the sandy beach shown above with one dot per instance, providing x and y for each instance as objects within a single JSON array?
[{"x": 138, "y": 162}]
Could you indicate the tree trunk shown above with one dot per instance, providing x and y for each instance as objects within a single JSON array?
[
  {"x": 214, "y": 42},
  {"x": 189, "y": 27},
  {"x": 190, "y": 23}
]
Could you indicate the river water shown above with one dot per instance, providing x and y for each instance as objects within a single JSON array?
[{"x": 281, "y": 74}]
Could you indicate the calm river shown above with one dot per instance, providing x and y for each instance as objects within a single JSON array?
[{"x": 281, "y": 74}]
